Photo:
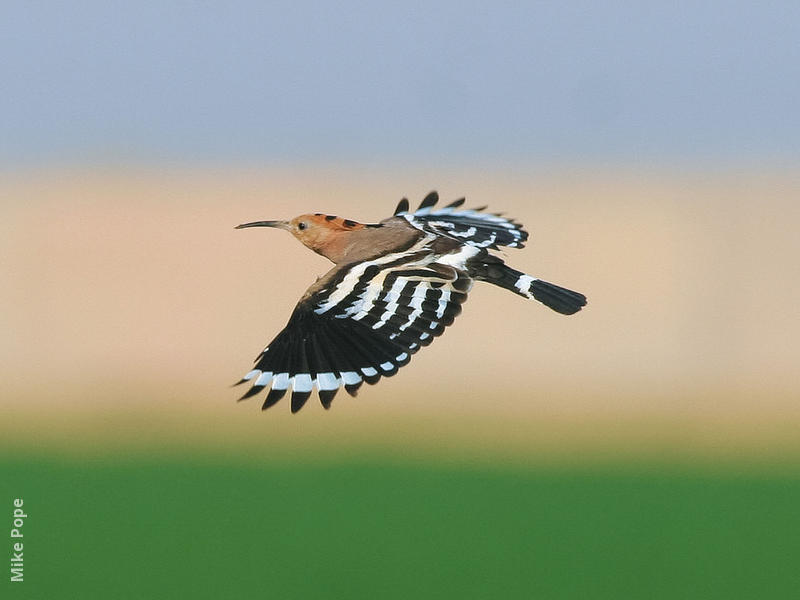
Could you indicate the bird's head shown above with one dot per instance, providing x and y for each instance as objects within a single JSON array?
[{"x": 318, "y": 232}]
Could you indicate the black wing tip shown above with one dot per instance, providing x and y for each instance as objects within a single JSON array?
[
  {"x": 299, "y": 399},
  {"x": 352, "y": 388},
  {"x": 429, "y": 200},
  {"x": 326, "y": 397},
  {"x": 456, "y": 203},
  {"x": 402, "y": 207},
  {"x": 391, "y": 371},
  {"x": 272, "y": 398},
  {"x": 253, "y": 391},
  {"x": 371, "y": 379}
]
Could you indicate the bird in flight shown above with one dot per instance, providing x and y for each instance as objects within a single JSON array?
[{"x": 395, "y": 286}]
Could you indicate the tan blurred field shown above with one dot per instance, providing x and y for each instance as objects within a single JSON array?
[{"x": 129, "y": 304}]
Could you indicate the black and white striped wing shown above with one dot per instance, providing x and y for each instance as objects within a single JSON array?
[
  {"x": 472, "y": 227},
  {"x": 363, "y": 326}
]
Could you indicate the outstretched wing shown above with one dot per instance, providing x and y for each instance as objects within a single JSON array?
[
  {"x": 472, "y": 227},
  {"x": 365, "y": 323}
]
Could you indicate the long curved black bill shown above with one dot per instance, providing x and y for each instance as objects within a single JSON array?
[{"x": 279, "y": 224}]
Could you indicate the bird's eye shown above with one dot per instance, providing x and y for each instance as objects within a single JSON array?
[{"x": 301, "y": 225}]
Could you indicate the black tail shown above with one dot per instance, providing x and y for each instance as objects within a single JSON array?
[{"x": 558, "y": 298}]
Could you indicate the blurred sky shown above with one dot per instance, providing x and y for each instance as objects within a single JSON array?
[{"x": 158, "y": 83}]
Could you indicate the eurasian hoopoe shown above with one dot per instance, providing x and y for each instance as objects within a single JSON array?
[{"x": 396, "y": 285}]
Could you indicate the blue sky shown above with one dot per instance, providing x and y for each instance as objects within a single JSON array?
[{"x": 419, "y": 83}]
